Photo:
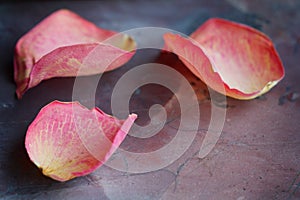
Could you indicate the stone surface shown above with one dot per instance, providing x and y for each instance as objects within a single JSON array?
[{"x": 256, "y": 157}]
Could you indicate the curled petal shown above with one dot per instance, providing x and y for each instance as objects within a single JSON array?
[
  {"x": 58, "y": 45},
  {"x": 231, "y": 56},
  {"x": 67, "y": 140}
]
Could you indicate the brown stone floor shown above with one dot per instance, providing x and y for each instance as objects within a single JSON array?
[{"x": 257, "y": 155}]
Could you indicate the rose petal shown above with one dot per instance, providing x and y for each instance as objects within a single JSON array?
[
  {"x": 66, "y": 140},
  {"x": 57, "y": 46},
  {"x": 229, "y": 55}
]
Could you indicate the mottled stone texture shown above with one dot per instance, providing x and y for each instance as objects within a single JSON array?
[{"x": 257, "y": 155}]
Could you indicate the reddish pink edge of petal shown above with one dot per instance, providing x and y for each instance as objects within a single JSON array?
[
  {"x": 175, "y": 39},
  {"x": 224, "y": 21},
  {"x": 41, "y": 112},
  {"x": 29, "y": 132},
  {"x": 121, "y": 134},
  {"x": 119, "y": 137},
  {"x": 127, "y": 124}
]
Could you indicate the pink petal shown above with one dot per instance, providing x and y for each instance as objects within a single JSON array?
[
  {"x": 67, "y": 140},
  {"x": 57, "y": 46},
  {"x": 224, "y": 53}
]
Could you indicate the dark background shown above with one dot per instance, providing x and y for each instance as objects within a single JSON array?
[{"x": 257, "y": 156}]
